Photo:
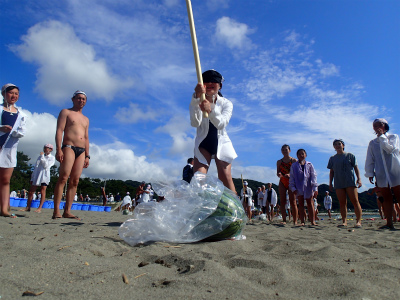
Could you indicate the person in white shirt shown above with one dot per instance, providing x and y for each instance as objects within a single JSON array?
[
  {"x": 41, "y": 177},
  {"x": 126, "y": 202},
  {"x": 247, "y": 199},
  {"x": 145, "y": 196},
  {"x": 260, "y": 198},
  {"x": 383, "y": 163},
  {"x": 271, "y": 199},
  {"x": 328, "y": 204},
  {"x": 111, "y": 198}
]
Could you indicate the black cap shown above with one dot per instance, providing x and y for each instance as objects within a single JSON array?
[{"x": 212, "y": 76}]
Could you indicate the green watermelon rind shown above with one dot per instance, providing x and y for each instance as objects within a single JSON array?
[{"x": 231, "y": 209}]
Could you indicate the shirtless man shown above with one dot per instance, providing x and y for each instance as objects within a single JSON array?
[{"x": 72, "y": 152}]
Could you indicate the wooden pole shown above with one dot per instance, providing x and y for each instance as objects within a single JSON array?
[{"x": 195, "y": 51}]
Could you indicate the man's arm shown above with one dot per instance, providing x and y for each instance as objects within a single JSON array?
[
  {"x": 61, "y": 122},
  {"x": 87, "y": 155}
]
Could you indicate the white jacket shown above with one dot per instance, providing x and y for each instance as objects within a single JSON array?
[
  {"x": 383, "y": 160},
  {"x": 274, "y": 197},
  {"x": 328, "y": 202},
  {"x": 8, "y": 153},
  {"x": 41, "y": 174},
  {"x": 220, "y": 115},
  {"x": 248, "y": 196}
]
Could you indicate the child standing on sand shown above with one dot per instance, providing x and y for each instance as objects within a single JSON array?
[
  {"x": 303, "y": 183},
  {"x": 343, "y": 166}
]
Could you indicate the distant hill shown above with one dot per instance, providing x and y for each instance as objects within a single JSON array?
[{"x": 366, "y": 201}]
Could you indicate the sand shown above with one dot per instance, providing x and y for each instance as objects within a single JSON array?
[{"x": 67, "y": 259}]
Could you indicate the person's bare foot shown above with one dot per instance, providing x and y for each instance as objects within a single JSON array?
[
  {"x": 12, "y": 216},
  {"x": 314, "y": 224},
  {"x": 25, "y": 209},
  {"x": 39, "y": 210},
  {"x": 57, "y": 216},
  {"x": 342, "y": 225},
  {"x": 69, "y": 216}
]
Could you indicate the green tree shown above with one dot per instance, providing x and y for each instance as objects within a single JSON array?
[{"x": 22, "y": 173}]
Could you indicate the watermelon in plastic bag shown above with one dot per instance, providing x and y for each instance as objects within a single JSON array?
[{"x": 201, "y": 210}]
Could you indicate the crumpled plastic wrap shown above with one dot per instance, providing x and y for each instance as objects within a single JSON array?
[{"x": 203, "y": 209}]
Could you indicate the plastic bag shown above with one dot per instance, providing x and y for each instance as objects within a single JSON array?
[{"x": 203, "y": 209}]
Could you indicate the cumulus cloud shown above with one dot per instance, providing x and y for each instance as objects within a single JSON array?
[
  {"x": 233, "y": 33},
  {"x": 117, "y": 161},
  {"x": 181, "y": 142},
  {"x": 327, "y": 69},
  {"x": 134, "y": 114},
  {"x": 66, "y": 63},
  {"x": 41, "y": 130}
]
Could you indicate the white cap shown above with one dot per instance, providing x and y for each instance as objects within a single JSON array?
[{"x": 4, "y": 87}]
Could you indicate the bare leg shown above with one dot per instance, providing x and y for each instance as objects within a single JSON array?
[
  {"x": 198, "y": 166},
  {"x": 293, "y": 207},
  {"x": 342, "y": 197},
  {"x": 311, "y": 211},
  {"x": 397, "y": 208},
  {"x": 316, "y": 215},
  {"x": 301, "y": 209},
  {"x": 271, "y": 208},
  {"x": 387, "y": 205},
  {"x": 73, "y": 184},
  {"x": 224, "y": 174},
  {"x": 352, "y": 192},
  {"x": 329, "y": 214},
  {"x": 32, "y": 189},
  {"x": 379, "y": 204},
  {"x": 42, "y": 199},
  {"x": 5, "y": 176},
  {"x": 64, "y": 172},
  {"x": 282, "y": 195}
]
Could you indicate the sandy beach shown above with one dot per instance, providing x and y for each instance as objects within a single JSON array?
[{"x": 66, "y": 259}]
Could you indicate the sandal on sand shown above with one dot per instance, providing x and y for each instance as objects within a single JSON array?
[
  {"x": 357, "y": 226},
  {"x": 342, "y": 225},
  {"x": 56, "y": 217}
]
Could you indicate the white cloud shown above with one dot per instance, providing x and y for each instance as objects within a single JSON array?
[
  {"x": 41, "y": 130},
  {"x": 214, "y": 5},
  {"x": 134, "y": 114},
  {"x": 117, "y": 161},
  {"x": 181, "y": 142},
  {"x": 66, "y": 64},
  {"x": 327, "y": 69},
  {"x": 233, "y": 33}
]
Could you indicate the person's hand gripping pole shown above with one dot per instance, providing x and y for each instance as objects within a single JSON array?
[{"x": 195, "y": 52}]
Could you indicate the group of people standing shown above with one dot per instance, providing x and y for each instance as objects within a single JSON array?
[
  {"x": 210, "y": 113},
  {"x": 72, "y": 151}
]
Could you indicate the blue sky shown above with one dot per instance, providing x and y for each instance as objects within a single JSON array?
[{"x": 297, "y": 72}]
